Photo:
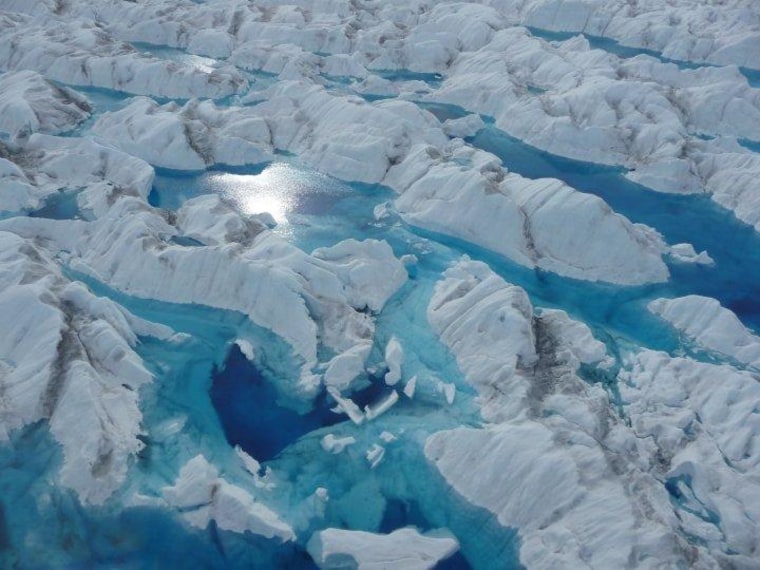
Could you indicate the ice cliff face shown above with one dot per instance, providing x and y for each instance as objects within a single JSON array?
[{"x": 372, "y": 284}]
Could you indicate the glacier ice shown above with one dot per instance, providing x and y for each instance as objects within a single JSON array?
[
  {"x": 68, "y": 357},
  {"x": 551, "y": 439},
  {"x": 202, "y": 496},
  {"x": 328, "y": 283},
  {"x": 711, "y": 326},
  {"x": 407, "y": 548},
  {"x": 29, "y": 103}
]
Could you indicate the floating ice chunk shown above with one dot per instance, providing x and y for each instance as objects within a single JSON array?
[
  {"x": 409, "y": 259},
  {"x": 463, "y": 127},
  {"x": 246, "y": 348},
  {"x": 685, "y": 253},
  {"x": 375, "y": 455},
  {"x": 319, "y": 500},
  {"x": 383, "y": 212},
  {"x": 347, "y": 406},
  {"x": 253, "y": 467},
  {"x": 378, "y": 409},
  {"x": 410, "y": 387},
  {"x": 404, "y": 548},
  {"x": 448, "y": 390},
  {"x": 168, "y": 428},
  {"x": 394, "y": 357},
  {"x": 388, "y": 437},
  {"x": 201, "y": 495},
  {"x": 711, "y": 326},
  {"x": 335, "y": 445},
  {"x": 29, "y": 103},
  {"x": 345, "y": 367}
]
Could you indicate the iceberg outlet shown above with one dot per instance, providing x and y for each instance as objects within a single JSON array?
[{"x": 380, "y": 284}]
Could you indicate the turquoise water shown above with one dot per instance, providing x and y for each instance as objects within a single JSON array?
[
  {"x": 59, "y": 206},
  {"x": 735, "y": 246},
  {"x": 616, "y": 315},
  {"x": 206, "y": 397}
]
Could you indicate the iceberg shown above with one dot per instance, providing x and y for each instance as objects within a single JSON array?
[
  {"x": 202, "y": 496},
  {"x": 407, "y": 548}
]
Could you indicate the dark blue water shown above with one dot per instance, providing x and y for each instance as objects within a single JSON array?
[
  {"x": 44, "y": 528},
  {"x": 251, "y": 417},
  {"x": 735, "y": 246},
  {"x": 754, "y": 146},
  {"x": 432, "y": 79},
  {"x": 683, "y": 497},
  {"x": 444, "y": 112},
  {"x": 59, "y": 206}
]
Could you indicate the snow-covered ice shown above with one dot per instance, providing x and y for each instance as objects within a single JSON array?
[
  {"x": 711, "y": 326},
  {"x": 403, "y": 548},
  {"x": 379, "y": 284}
]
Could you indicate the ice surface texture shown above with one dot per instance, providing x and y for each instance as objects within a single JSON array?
[{"x": 268, "y": 292}]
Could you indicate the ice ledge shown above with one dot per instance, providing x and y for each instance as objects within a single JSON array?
[{"x": 406, "y": 548}]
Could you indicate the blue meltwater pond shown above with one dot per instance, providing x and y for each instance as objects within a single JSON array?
[{"x": 207, "y": 398}]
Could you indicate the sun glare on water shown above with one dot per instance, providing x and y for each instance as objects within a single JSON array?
[{"x": 274, "y": 191}]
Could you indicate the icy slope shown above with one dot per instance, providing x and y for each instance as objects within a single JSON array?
[
  {"x": 556, "y": 463},
  {"x": 29, "y": 103},
  {"x": 684, "y": 30},
  {"x": 379, "y": 284},
  {"x": 68, "y": 357}
]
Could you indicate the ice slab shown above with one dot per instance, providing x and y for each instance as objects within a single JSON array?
[
  {"x": 29, "y": 103},
  {"x": 68, "y": 357},
  {"x": 80, "y": 52},
  {"x": 711, "y": 326},
  {"x": 334, "y": 548},
  {"x": 202, "y": 496}
]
